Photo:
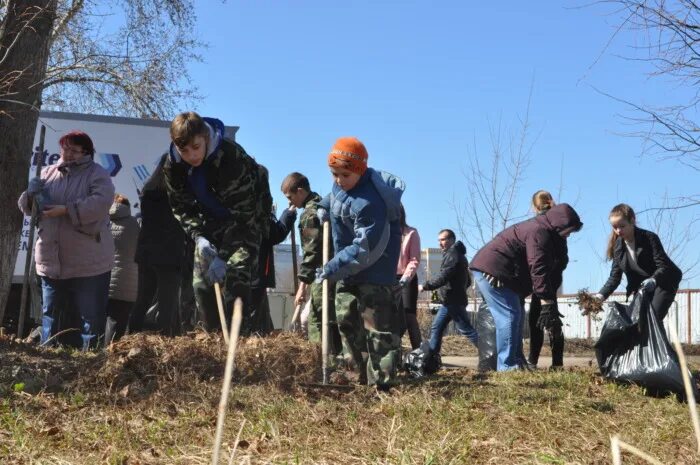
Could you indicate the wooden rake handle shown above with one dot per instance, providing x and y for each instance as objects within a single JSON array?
[
  {"x": 220, "y": 307},
  {"x": 228, "y": 375}
]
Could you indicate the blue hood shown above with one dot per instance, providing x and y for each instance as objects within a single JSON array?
[
  {"x": 216, "y": 135},
  {"x": 390, "y": 188}
]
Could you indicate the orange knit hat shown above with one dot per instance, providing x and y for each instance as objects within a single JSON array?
[{"x": 350, "y": 154}]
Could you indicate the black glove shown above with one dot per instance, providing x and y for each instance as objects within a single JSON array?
[{"x": 550, "y": 317}]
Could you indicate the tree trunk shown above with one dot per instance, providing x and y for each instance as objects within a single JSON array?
[{"x": 24, "y": 50}]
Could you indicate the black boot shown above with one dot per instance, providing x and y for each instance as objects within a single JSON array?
[
  {"x": 556, "y": 343},
  {"x": 413, "y": 330}
]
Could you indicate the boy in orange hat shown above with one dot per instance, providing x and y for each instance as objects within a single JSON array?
[{"x": 365, "y": 207}]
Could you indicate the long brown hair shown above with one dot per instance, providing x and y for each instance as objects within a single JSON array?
[
  {"x": 626, "y": 212},
  {"x": 402, "y": 220},
  {"x": 542, "y": 201}
]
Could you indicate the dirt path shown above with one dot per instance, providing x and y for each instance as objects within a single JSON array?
[{"x": 578, "y": 360}]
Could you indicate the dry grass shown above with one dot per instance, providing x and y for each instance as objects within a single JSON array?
[
  {"x": 82, "y": 414},
  {"x": 141, "y": 365}
]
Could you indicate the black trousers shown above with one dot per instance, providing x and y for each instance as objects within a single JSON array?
[
  {"x": 407, "y": 302},
  {"x": 662, "y": 300},
  {"x": 117, "y": 318},
  {"x": 556, "y": 337},
  {"x": 260, "y": 318},
  {"x": 157, "y": 284}
]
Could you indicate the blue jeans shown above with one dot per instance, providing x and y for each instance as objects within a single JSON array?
[
  {"x": 445, "y": 314},
  {"x": 86, "y": 297},
  {"x": 508, "y": 316}
]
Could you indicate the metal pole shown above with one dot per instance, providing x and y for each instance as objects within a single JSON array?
[
  {"x": 427, "y": 273},
  {"x": 588, "y": 326},
  {"x": 678, "y": 318},
  {"x": 30, "y": 240},
  {"x": 324, "y": 308},
  {"x": 295, "y": 270},
  {"x": 689, "y": 316}
]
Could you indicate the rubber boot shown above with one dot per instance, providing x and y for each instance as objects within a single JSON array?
[
  {"x": 110, "y": 330},
  {"x": 556, "y": 343}
]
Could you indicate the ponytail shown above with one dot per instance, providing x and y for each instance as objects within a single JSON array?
[{"x": 542, "y": 201}]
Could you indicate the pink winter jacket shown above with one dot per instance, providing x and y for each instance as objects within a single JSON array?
[
  {"x": 78, "y": 244},
  {"x": 410, "y": 254}
]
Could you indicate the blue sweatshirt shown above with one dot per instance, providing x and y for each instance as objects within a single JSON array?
[{"x": 366, "y": 230}]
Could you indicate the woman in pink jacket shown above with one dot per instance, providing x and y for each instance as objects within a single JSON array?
[
  {"x": 74, "y": 251},
  {"x": 406, "y": 274}
]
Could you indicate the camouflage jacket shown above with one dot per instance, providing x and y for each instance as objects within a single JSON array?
[
  {"x": 311, "y": 234},
  {"x": 233, "y": 178}
]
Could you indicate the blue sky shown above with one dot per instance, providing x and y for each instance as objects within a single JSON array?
[{"x": 418, "y": 83}]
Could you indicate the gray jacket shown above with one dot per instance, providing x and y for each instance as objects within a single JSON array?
[
  {"x": 125, "y": 231},
  {"x": 77, "y": 245}
]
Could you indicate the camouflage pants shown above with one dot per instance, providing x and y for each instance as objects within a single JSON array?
[
  {"x": 315, "y": 314},
  {"x": 205, "y": 297},
  {"x": 367, "y": 322}
]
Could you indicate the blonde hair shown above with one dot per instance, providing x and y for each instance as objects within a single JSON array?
[
  {"x": 626, "y": 212},
  {"x": 122, "y": 199},
  {"x": 542, "y": 201}
]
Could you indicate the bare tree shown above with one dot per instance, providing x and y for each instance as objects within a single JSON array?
[
  {"x": 128, "y": 57},
  {"x": 493, "y": 181},
  {"x": 668, "y": 34},
  {"x": 24, "y": 50},
  {"x": 123, "y": 57},
  {"x": 676, "y": 232}
]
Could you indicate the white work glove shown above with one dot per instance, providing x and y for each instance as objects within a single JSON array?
[{"x": 205, "y": 249}]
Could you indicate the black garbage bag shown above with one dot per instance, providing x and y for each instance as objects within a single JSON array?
[
  {"x": 633, "y": 348},
  {"x": 486, "y": 328},
  {"x": 421, "y": 361}
]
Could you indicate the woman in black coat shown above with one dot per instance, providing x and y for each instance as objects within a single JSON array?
[
  {"x": 160, "y": 256},
  {"x": 638, "y": 254}
]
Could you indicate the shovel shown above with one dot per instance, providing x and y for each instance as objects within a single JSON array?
[{"x": 295, "y": 325}]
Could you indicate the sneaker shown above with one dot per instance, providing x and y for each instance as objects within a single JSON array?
[{"x": 530, "y": 366}]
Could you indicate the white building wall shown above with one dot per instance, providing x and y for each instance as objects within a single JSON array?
[{"x": 575, "y": 325}]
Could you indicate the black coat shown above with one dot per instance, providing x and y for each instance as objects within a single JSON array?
[
  {"x": 161, "y": 239},
  {"x": 529, "y": 257},
  {"x": 652, "y": 262},
  {"x": 453, "y": 280},
  {"x": 279, "y": 229}
]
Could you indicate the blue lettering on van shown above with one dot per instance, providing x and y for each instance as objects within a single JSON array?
[{"x": 46, "y": 157}]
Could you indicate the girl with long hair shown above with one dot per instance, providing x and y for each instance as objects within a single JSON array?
[{"x": 638, "y": 254}]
